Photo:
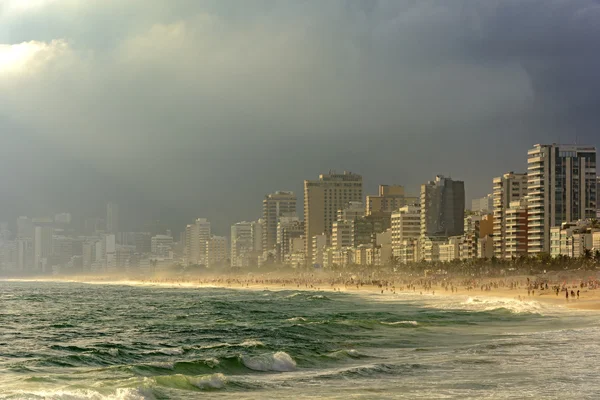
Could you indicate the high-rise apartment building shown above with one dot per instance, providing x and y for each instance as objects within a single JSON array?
[
  {"x": 275, "y": 205},
  {"x": 196, "y": 236},
  {"x": 112, "y": 218},
  {"x": 561, "y": 188},
  {"x": 442, "y": 208},
  {"x": 354, "y": 210},
  {"x": 515, "y": 229},
  {"x": 322, "y": 200},
  {"x": 389, "y": 199},
  {"x": 216, "y": 251},
  {"x": 406, "y": 224},
  {"x": 246, "y": 243},
  {"x": 42, "y": 247},
  {"x": 483, "y": 204},
  {"x": 507, "y": 188}
]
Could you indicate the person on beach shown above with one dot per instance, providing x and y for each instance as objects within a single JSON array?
[{"x": 577, "y": 293}]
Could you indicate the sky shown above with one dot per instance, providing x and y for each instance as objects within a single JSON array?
[{"x": 188, "y": 108}]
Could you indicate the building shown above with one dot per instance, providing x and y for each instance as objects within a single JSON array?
[
  {"x": 483, "y": 204},
  {"x": 24, "y": 228},
  {"x": 449, "y": 250},
  {"x": 25, "y": 254},
  {"x": 161, "y": 246},
  {"x": 515, "y": 230},
  {"x": 571, "y": 239},
  {"x": 63, "y": 218},
  {"x": 354, "y": 210},
  {"x": 246, "y": 244},
  {"x": 389, "y": 199},
  {"x": 342, "y": 234},
  {"x": 408, "y": 251},
  {"x": 196, "y": 237},
  {"x": 216, "y": 251},
  {"x": 406, "y": 224},
  {"x": 442, "y": 208},
  {"x": 319, "y": 244},
  {"x": 485, "y": 247},
  {"x": 296, "y": 256},
  {"x": 507, "y": 188},
  {"x": 322, "y": 200},
  {"x": 42, "y": 247},
  {"x": 365, "y": 229},
  {"x": 561, "y": 188},
  {"x": 112, "y": 218},
  {"x": 289, "y": 229},
  {"x": 275, "y": 206}
]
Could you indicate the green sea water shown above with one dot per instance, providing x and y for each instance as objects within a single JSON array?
[{"x": 88, "y": 341}]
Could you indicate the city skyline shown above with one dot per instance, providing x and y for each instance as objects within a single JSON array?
[{"x": 122, "y": 117}]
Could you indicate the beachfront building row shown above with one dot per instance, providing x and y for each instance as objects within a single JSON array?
[{"x": 560, "y": 186}]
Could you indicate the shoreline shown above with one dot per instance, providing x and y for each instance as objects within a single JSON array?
[{"x": 589, "y": 298}]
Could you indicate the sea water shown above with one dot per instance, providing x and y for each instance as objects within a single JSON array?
[{"x": 84, "y": 341}]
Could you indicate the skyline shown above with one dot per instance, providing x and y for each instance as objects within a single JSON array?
[{"x": 167, "y": 109}]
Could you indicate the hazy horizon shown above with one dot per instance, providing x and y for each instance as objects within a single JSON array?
[{"x": 185, "y": 109}]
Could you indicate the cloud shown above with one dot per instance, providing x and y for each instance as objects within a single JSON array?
[{"x": 186, "y": 100}]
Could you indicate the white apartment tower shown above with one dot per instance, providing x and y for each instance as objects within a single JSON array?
[
  {"x": 406, "y": 224},
  {"x": 322, "y": 200},
  {"x": 507, "y": 188},
  {"x": 561, "y": 188}
]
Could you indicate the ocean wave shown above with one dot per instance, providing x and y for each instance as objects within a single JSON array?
[
  {"x": 171, "y": 351},
  {"x": 296, "y": 319},
  {"x": 214, "y": 381},
  {"x": 347, "y": 353},
  {"x": 84, "y": 394},
  {"x": 277, "y": 362},
  {"x": 413, "y": 323},
  {"x": 512, "y": 305}
]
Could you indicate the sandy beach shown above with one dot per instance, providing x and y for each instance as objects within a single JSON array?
[{"x": 583, "y": 293}]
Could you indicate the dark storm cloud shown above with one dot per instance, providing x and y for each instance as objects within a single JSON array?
[{"x": 193, "y": 108}]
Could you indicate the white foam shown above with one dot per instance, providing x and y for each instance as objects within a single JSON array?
[
  {"x": 214, "y": 381},
  {"x": 279, "y": 362},
  {"x": 296, "y": 319},
  {"x": 86, "y": 394},
  {"x": 176, "y": 351},
  {"x": 113, "y": 352},
  {"x": 495, "y": 303},
  {"x": 414, "y": 323},
  {"x": 252, "y": 343}
]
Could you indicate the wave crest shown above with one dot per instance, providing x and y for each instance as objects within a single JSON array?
[{"x": 278, "y": 362}]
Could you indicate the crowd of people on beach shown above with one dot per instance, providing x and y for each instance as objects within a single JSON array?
[{"x": 394, "y": 283}]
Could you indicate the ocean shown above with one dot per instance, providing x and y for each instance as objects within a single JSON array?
[{"x": 92, "y": 341}]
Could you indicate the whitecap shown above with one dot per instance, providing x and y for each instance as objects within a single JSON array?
[
  {"x": 413, "y": 323},
  {"x": 279, "y": 362},
  {"x": 296, "y": 319},
  {"x": 171, "y": 351},
  {"x": 252, "y": 343},
  {"x": 214, "y": 381}
]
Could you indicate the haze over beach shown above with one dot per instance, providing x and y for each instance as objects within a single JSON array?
[{"x": 299, "y": 199}]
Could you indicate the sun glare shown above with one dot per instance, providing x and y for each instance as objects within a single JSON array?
[{"x": 14, "y": 58}]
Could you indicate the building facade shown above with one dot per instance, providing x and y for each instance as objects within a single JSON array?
[
  {"x": 322, "y": 200},
  {"x": 442, "y": 208},
  {"x": 561, "y": 188},
  {"x": 508, "y": 188},
  {"x": 275, "y": 206}
]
